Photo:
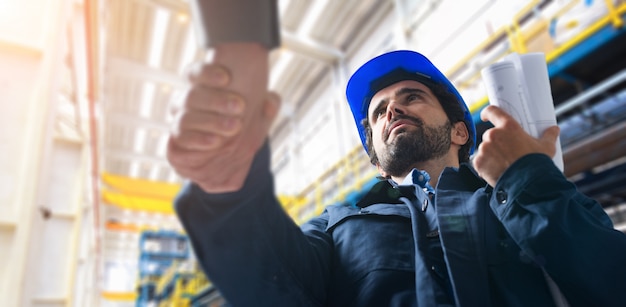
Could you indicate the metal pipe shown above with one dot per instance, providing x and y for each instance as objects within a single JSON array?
[
  {"x": 311, "y": 48},
  {"x": 593, "y": 91},
  {"x": 92, "y": 58},
  {"x": 601, "y": 148}
]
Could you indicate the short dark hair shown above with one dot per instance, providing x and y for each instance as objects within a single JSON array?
[{"x": 451, "y": 106}]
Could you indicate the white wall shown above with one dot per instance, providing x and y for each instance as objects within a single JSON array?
[{"x": 42, "y": 170}]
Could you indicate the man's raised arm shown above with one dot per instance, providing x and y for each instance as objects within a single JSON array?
[{"x": 227, "y": 110}]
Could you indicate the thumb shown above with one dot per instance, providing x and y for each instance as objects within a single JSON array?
[
  {"x": 548, "y": 138},
  {"x": 550, "y": 134},
  {"x": 271, "y": 106}
]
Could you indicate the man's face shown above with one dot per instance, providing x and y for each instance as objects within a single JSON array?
[{"x": 409, "y": 126}]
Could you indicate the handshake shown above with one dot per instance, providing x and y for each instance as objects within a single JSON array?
[{"x": 225, "y": 118}]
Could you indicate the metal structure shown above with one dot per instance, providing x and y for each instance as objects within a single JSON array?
[{"x": 160, "y": 252}]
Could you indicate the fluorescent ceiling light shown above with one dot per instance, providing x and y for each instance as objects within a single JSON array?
[
  {"x": 154, "y": 172},
  {"x": 162, "y": 145},
  {"x": 140, "y": 140},
  {"x": 282, "y": 6},
  {"x": 147, "y": 99},
  {"x": 279, "y": 68},
  {"x": 159, "y": 31},
  {"x": 182, "y": 18},
  {"x": 173, "y": 177},
  {"x": 189, "y": 50},
  {"x": 311, "y": 17},
  {"x": 134, "y": 169}
]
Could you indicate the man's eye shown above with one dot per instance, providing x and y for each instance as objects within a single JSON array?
[{"x": 412, "y": 97}]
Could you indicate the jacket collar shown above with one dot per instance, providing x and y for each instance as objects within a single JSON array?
[
  {"x": 388, "y": 191},
  {"x": 385, "y": 191},
  {"x": 464, "y": 178}
]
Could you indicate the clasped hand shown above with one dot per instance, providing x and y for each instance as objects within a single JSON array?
[{"x": 223, "y": 121}]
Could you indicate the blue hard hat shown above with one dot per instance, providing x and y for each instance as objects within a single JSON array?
[{"x": 389, "y": 68}]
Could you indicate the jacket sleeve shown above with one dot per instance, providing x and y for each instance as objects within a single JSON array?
[
  {"x": 220, "y": 21},
  {"x": 251, "y": 249},
  {"x": 563, "y": 231}
]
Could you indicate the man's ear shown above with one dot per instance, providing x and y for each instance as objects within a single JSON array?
[{"x": 460, "y": 134}]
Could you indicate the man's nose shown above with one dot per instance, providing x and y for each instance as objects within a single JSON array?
[{"x": 394, "y": 109}]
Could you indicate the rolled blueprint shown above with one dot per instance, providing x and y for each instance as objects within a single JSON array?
[{"x": 520, "y": 86}]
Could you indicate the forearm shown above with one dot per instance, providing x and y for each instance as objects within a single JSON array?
[
  {"x": 227, "y": 111},
  {"x": 242, "y": 33},
  {"x": 232, "y": 21},
  {"x": 249, "y": 247}
]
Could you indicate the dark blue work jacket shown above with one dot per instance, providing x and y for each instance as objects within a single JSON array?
[{"x": 470, "y": 245}]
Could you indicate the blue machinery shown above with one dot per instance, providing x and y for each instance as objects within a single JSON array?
[
  {"x": 159, "y": 252},
  {"x": 168, "y": 274}
]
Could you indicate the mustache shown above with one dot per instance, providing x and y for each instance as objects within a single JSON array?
[{"x": 418, "y": 122}]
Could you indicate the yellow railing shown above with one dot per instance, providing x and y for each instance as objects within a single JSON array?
[
  {"x": 119, "y": 296},
  {"x": 167, "y": 276},
  {"x": 347, "y": 175},
  {"x": 506, "y": 31},
  {"x": 186, "y": 286},
  {"x": 520, "y": 37},
  {"x": 196, "y": 284},
  {"x": 186, "y": 282},
  {"x": 528, "y": 36},
  {"x": 593, "y": 28}
]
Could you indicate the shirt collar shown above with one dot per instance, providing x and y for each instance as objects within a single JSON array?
[{"x": 421, "y": 178}]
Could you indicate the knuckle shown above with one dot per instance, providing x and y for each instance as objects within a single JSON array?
[
  {"x": 498, "y": 134},
  {"x": 488, "y": 136},
  {"x": 209, "y": 74},
  {"x": 510, "y": 124},
  {"x": 186, "y": 121},
  {"x": 480, "y": 161},
  {"x": 210, "y": 69},
  {"x": 486, "y": 149},
  {"x": 195, "y": 95},
  {"x": 227, "y": 126}
]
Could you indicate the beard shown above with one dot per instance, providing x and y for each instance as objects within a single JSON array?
[{"x": 412, "y": 146}]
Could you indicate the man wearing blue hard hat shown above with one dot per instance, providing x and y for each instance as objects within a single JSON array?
[
  {"x": 419, "y": 84},
  {"x": 507, "y": 230}
]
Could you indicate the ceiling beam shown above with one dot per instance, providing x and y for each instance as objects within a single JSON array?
[
  {"x": 133, "y": 156},
  {"x": 125, "y": 119},
  {"x": 118, "y": 66},
  {"x": 297, "y": 43},
  {"x": 309, "y": 47},
  {"x": 172, "y": 5}
]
